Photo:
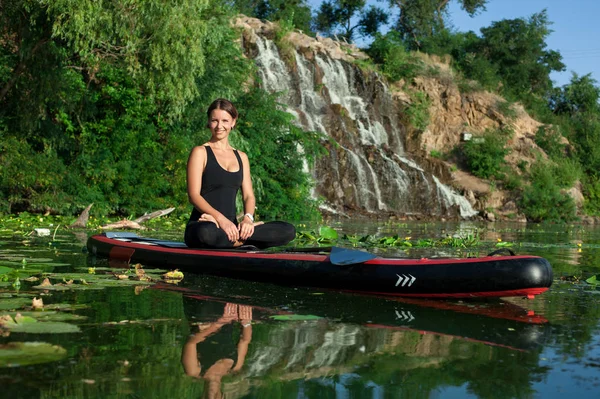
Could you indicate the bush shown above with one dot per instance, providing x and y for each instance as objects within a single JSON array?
[
  {"x": 417, "y": 111},
  {"x": 484, "y": 156},
  {"x": 591, "y": 192},
  {"x": 566, "y": 172},
  {"x": 549, "y": 140},
  {"x": 542, "y": 200},
  {"x": 397, "y": 63}
]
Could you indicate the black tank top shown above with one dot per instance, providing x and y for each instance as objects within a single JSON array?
[{"x": 220, "y": 187}]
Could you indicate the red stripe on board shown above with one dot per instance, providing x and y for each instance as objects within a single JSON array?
[
  {"x": 526, "y": 292},
  {"x": 305, "y": 257},
  {"x": 120, "y": 253},
  {"x": 219, "y": 253}
]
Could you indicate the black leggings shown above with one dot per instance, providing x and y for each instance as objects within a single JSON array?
[{"x": 208, "y": 235}]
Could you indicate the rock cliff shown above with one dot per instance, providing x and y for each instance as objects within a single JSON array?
[{"x": 378, "y": 164}]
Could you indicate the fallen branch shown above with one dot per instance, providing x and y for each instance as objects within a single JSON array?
[
  {"x": 153, "y": 215},
  {"x": 123, "y": 224},
  {"x": 82, "y": 220}
]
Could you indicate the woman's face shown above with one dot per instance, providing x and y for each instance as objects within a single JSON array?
[{"x": 220, "y": 123}]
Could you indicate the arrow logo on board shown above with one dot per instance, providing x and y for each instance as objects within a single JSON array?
[
  {"x": 404, "y": 280},
  {"x": 404, "y": 316}
]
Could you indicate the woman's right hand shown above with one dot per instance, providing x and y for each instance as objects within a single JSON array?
[{"x": 229, "y": 228}]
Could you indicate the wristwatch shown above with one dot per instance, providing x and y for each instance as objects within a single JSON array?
[{"x": 249, "y": 215}]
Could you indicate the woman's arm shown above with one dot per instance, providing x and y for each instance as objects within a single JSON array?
[
  {"x": 246, "y": 226},
  {"x": 195, "y": 169},
  {"x": 245, "y": 316}
]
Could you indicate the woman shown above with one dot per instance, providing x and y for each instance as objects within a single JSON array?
[{"x": 215, "y": 173}]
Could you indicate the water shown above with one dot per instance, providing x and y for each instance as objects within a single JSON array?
[{"x": 306, "y": 343}]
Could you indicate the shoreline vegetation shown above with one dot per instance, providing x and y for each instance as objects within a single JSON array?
[{"x": 93, "y": 112}]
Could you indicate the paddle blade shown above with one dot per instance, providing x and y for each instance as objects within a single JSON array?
[{"x": 345, "y": 256}]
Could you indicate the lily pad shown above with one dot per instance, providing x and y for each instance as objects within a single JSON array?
[
  {"x": 328, "y": 233},
  {"x": 29, "y": 325},
  {"x": 47, "y": 315},
  {"x": 290, "y": 317},
  {"x": 593, "y": 280},
  {"x": 48, "y": 264},
  {"x": 5, "y": 270},
  {"x": 14, "y": 303},
  {"x": 15, "y": 354},
  {"x": 65, "y": 306},
  {"x": 10, "y": 263}
]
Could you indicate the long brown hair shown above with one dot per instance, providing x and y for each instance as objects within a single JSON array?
[{"x": 223, "y": 104}]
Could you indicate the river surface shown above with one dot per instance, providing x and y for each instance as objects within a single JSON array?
[{"x": 208, "y": 336}]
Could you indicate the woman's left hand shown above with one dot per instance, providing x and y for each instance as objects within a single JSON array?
[{"x": 246, "y": 228}]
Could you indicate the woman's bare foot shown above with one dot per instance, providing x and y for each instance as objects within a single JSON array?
[{"x": 205, "y": 217}]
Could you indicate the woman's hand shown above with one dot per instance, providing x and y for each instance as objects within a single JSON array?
[
  {"x": 229, "y": 228},
  {"x": 245, "y": 315},
  {"x": 246, "y": 229}
]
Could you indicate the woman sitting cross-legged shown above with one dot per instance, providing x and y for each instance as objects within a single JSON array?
[{"x": 215, "y": 173}]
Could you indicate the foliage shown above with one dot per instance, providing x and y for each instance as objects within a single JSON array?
[
  {"x": 591, "y": 191},
  {"x": 517, "y": 48},
  {"x": 297, "y": 12},
  {"x": 396, "y": 62},
  {"x": 160, "y": 45},
  {"x": 550, "y": 140},
  {"x": 484, "y": 156},
  {"x": 111, "y": 112},
  {"x": 422, "y": 19},
  {"x": 339, "y": 17},
  {"x": 417, "y": 112},
  {"x": 566, "y": 172},
  {"x": 271, "y": 140},
  {"x": 543, "y": 199}
]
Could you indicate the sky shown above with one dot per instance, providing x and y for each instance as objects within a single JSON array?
[{"x": 575, "y": 25}]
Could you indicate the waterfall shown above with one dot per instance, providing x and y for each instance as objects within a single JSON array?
[{"x": 367, "y": 169}]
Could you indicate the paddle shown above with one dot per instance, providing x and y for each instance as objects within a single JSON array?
[{"x": 345, "y": 256}]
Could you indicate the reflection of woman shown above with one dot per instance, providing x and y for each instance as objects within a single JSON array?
[
  {"x": 190, "y": 358},
  {"x": 215, "y": 173}
]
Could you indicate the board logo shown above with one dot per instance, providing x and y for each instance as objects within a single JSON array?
[{"x": 405, "y": 280}]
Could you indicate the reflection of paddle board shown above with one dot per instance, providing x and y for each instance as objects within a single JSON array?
[
  {"x": 489, "y": 276},
  {"x": 499, "y": 324}
]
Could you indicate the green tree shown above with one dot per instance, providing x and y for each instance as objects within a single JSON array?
[
  {"x": 419, "y": 19},
  {"x": 102, "y": 102},
  {"x": 581, "y": 95},
  {"x": 346, "y": 17},
  {"x": 295, "y": 11},
  {"x": 517, "y": 48}
]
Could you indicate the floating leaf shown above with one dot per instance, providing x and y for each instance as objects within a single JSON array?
[
  {"x": 47, "y": 315},
  {"x": 289, "y": 317},
  {"x": 5, "y": 270},
  {"x": 328, "y": 233},
  {"x": 592, "y": 280},
  {"x": 13, "y": 303},
  {"x": 15, "y": 354},
  {"x": 27, "y": 324}
]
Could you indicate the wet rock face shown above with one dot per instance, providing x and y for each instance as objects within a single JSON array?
[{"x": 367, "y": 169}]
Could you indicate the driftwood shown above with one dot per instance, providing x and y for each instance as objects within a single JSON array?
[
  {"x": 123, "y": 224},
  {"x": 82, "y": 220},
  {"x": 153, "y": 215},
  {"x": 136, "y": 224}
]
